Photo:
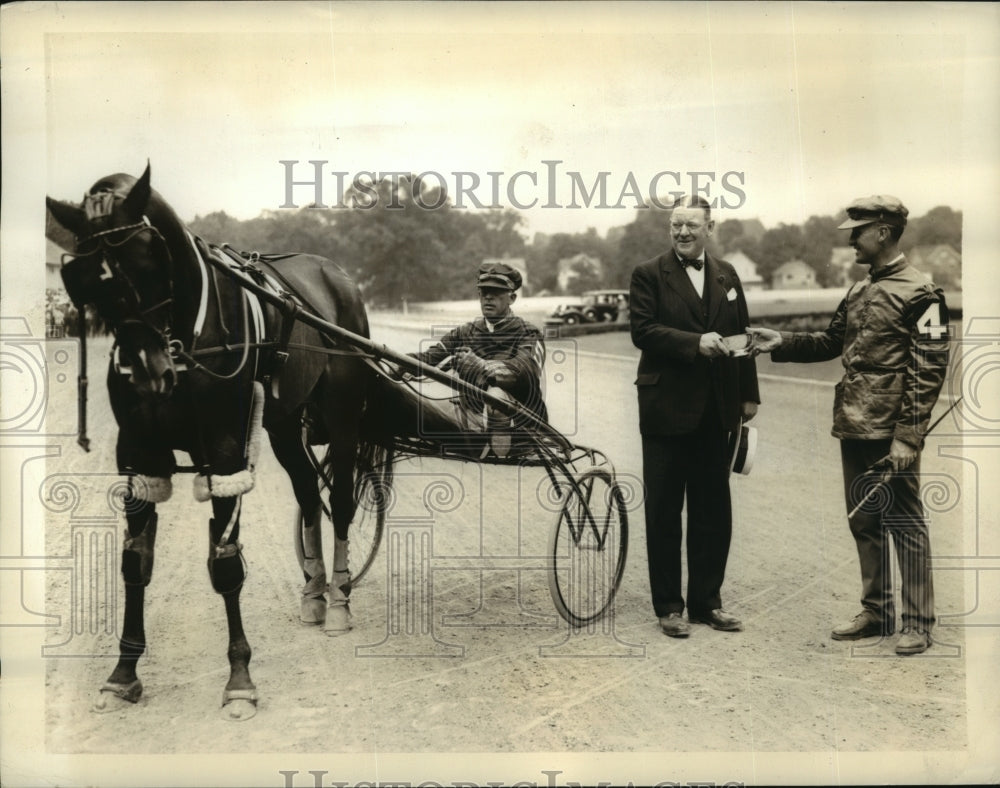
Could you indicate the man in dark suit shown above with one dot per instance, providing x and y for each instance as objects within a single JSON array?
[{"x": 692, "y": 396}]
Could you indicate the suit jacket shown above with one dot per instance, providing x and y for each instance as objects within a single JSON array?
[{"x": 675, "y": 383}]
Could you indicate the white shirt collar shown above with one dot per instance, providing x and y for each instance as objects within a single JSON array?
[{"x": 696, "y": 275}]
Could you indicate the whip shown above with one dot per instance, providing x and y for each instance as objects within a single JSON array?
[{"x": 887, "y": 473}]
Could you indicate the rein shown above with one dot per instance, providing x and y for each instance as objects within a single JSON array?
[
  {"x": 177, "y": 350},
  {"x": 103, "y": 243},
  {"x": 375, "y": 353},
  {"x": 145, "y": 224}
]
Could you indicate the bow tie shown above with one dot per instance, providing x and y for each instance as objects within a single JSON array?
[{"x": 695, "y": 264}]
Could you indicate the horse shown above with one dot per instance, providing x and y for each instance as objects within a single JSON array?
[{"x": 200, "y": 365}]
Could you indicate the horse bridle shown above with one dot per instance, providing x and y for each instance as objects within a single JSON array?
[
  {"x": 104, "y": 282},
  {"x": 95, "y": 276}
]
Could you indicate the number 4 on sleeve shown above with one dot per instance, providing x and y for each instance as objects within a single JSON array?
[{"x": 930, "y": 323}]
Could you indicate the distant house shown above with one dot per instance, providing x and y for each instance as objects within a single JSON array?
[
  {"x": 793, "y": 275},
  {"x": 579, "y": 266},
  {"x": 514, "y": 262},
  {"x": 746, "y": 270},
  {"x": 540, "y": 240},
  {"x": 941, "y": 262}
]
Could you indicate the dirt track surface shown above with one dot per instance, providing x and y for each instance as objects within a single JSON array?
[{"x": 487, "y": 666}]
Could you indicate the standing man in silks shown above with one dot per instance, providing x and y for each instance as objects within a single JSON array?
[{"x": 891, "y": 332}]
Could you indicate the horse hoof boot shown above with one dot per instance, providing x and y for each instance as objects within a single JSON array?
[
  {"x": 312, "y": 610},
  {"x": 338, "y": 620},
  {"x": 239, "y": 704},
  {"x": 115, "y": 697}
]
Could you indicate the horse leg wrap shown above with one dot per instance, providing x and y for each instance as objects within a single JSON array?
[
  {"x": 312, "y": 607},
  {"x": 226, "y": 567},
  {"x": 154, "y": 489},
  {"x": 137, "y": 555},
  {"x": 338, "y": 612},
  {"x": 214, "y": 486},
  {"x": 313, "y": 568},
  {"x": 340, "y": 586},
  {"x": 340, "y": 551}
]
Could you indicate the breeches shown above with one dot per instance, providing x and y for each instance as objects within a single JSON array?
[{"x": 896, "y": 511}]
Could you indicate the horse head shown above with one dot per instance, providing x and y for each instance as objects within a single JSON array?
[{"x": 123, "y": 266}]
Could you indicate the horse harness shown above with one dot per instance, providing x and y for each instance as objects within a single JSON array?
[
  {"x": 116, "y": 297},
  {"x": 96, "y": 276},
  {"x": 288, "y": 303}
]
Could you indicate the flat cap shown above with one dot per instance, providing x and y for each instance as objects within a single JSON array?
[
  {"x": 877, "y": 208},
  {"x": 499, "y": 275}
]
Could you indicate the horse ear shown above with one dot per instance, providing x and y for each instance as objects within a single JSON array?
[
  {"x": 69, "y": 216},
  {"x": 138, "y": 197}
]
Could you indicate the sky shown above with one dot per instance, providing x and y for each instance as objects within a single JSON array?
[{"x": 789, "y": 110}]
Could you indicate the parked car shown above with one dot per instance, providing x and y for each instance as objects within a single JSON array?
[{"x": 594, "y": 306}]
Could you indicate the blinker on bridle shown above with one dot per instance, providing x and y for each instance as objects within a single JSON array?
[
  {"x": 123, "y": 301},
  {"x": 100, "y": 205}
]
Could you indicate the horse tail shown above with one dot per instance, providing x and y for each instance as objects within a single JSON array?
[
  {"x": 373, "y": 472},
  {"x": 376, "y": 446}
]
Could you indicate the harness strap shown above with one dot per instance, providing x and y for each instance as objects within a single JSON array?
[
  {"x": 290, "y": 308},
  {"x": 267, "y": 258},
  {"x": 81, "y": 381},
  {"x": 224, "y": 539},
  {"x": 199, "y": 322}
]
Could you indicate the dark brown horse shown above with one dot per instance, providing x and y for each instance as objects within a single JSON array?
[{"x": 199, "y": 365}]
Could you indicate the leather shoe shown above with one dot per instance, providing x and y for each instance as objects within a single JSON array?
[
  {"x": 913, "y": 641},
  {"x": 717, "y": 619},
  {"x": 674, "y": 626},
  {"x": 864, "y": 625}
]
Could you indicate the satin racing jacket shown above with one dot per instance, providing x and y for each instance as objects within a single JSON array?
[
  {"x": 512, "y": 342},
  {"x": 891, "y": 332}
]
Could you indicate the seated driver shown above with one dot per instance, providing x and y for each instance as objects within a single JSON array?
[{"x": 499, "y": 352}]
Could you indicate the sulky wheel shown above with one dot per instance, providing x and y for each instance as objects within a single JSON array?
[
  {"x": 587, "y": 546},
  {"x": 368, "y": 524}
]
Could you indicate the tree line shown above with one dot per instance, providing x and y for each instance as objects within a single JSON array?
[{"x": 397, "y": 248}]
